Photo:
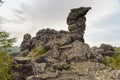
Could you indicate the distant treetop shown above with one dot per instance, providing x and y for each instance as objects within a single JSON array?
[{"x": 1, "y": 2}]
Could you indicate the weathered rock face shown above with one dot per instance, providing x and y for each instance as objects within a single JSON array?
[
  {"x": 21, "y": 68},
  {"x": 76, "y": 20},
  {"x": 105, "y": 50},
  {"x": 61, "y": 70},
  {"x": 26, "y": 43},
  {"x": 25, "y": 46},
  {"x": 62, "y": 55}
]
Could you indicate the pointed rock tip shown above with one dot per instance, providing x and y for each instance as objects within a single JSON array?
[{"x": 81, "y": 8}]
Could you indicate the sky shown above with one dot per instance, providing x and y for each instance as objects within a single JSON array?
[{"x": 29, "y": 16}]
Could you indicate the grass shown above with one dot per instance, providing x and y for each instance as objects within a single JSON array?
[
  {"x": 117, "y": 50},
  {"x": 36, "y": 52},
  {"x": 113, "y": 61},
  {"x": 5, "y": 62}
]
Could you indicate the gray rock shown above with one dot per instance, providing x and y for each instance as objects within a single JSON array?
[
  {"x": 108, "y": 50},
  {"x": 21, "y": 68},
  {"x": 22, "y": 60},
  {"x": 77, "y": 13},
  {"x": 118, "y": 78},
  {"x": 78, "y": 52},
  {"x": 23, "y": 53},
  {"x": 99, "y": 53},
  {"x": 37, "y": 77},
  {"x": 62, "y": 40},
  {"x": 76, "y": 21},
  {"x": 26, "y": 45},
  {"x": 61, "y": 66},
  {"x": 106, "y": 47}
]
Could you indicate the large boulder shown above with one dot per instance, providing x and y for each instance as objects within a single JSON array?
[
  {"x": 76, "y": 51},
  {"x": 99, "y": 53},
  {"x": 76, "y": 20},
  {"x": 21, "y": 68},
  {"x": 26, "y": 45},
  {"x": 108, "y": 50}
]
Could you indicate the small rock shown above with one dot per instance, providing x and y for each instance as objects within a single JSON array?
[{"x": 22, "y": 60}]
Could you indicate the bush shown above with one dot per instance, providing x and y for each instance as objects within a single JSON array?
[
  {"x": 117, "y": 50},
  {"x": 5, "y": 61},
  {"x": 36, "y": 52},
  {"x": 5, "y": 41},
  {"x": 113, "y": 61}
]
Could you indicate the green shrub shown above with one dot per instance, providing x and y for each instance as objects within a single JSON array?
[
  {"x": 36, "y": 52},
  {"x": 5, "y": 61},
  {"x": 117, "y": 50},
  {"x": 113, "y": 61}
]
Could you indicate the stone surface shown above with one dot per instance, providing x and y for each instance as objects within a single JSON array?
[
  {"x": 105, "y": 50},
  {"x": 78, "y": 52},
  {"x": 76, "y": 20},
  {"x": 77, "y": 13},
  {"x": 22, "y": 60},
  {"x": 25, "y": 45},
  {"x": 21, "y": 68}
]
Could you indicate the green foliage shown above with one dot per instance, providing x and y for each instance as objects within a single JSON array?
[
  {"x": 117, "y": 50},
  {"x": 113, "y": 61},
  {"x": 5, "y": 61},
  {"x": 17, "y": 66},
  {"x": 5, "y": 41},
  {"x": 36, "y": 52}
]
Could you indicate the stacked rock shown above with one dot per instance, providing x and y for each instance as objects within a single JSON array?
[
  {"x": 76, "y": 20},
  {"x": 25, "y": 45}
]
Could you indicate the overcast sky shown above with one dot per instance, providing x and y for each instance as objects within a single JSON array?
[{"x": 29, "y": 16}]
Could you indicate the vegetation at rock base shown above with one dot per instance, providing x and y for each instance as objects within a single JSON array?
[
  {"x": 113, "y": 61},
  {"x": 37, "y": 51},
  {"x": 117, "y": 50},
  {"x": 5, "y": 60}
]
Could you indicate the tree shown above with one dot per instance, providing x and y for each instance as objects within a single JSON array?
[
  {"x": 5, "y": 60},
  {"x": 5, "y": 41},
  {"x": 1, "y": 1}
]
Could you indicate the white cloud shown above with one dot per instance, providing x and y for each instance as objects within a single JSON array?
[{"x": 28, "y": 16}]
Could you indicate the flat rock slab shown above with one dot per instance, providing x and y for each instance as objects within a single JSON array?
[{"x": 22, "y": 60}]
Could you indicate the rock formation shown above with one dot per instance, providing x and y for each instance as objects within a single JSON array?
[
  {"x": 76, "y": 25},
  {"x": 61, "y": 55},
  {"x": 99, "y": 53},
  {"x": 25, "y": 45},
  {"x": 76, "y": 20}
]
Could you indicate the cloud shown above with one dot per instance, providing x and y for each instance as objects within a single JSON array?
[
  {"x": 105, "y": 30},
  {"x": 2, "y": 20},
  {"x": 28, "y": 16}
]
